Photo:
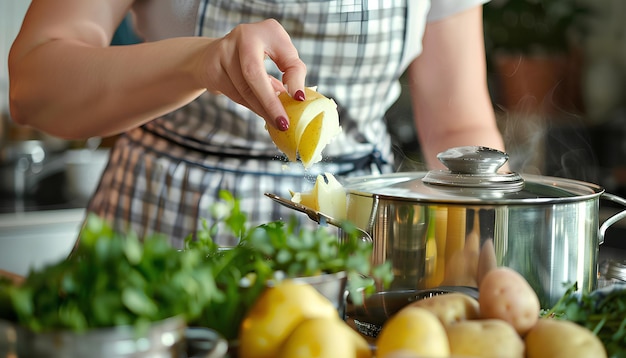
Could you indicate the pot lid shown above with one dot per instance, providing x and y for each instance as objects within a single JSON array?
[{"x": 473, "y": 175}]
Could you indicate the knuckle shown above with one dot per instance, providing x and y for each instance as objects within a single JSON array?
[
  {"x": 251, "y": 70},
  {"x": 247, "y": 92},
  {"x": 299, "y": 65},
  {"x": 273, "y": 23}
]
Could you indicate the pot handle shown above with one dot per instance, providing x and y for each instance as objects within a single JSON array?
[
  {"x": 315, "y": 215},
  {"x": 613, "y": 219}
]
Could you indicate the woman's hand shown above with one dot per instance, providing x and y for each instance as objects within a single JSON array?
[{"x": 234, "y": 66}]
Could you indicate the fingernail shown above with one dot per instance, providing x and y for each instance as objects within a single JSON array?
[
  {"x": 299, "y": 95},
  {"x": 282, "y": 123}
]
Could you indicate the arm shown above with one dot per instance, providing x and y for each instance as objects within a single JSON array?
[
  {"x": 449, "y": 94},
  {"x": 66, "y": 80}
]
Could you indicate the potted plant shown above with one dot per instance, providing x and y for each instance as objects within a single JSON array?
[{"x": 533, "y": 47}]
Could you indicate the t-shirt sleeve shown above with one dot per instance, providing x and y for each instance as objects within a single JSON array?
[{"x": 440, "y": 9}]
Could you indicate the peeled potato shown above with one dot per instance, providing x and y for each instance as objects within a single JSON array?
[
  {"x": 327, "y": 196},
  {"x": 276, "y": 313},
  {"x": 489, "y": 338},
  {"x": 314, "y": 122},
  {"x": 324, "y": 337},
  {"x": 412, "y": 330},
  {"x": 451, "y": 307}
]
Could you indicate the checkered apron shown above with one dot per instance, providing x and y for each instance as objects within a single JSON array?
[{"x": 163, "y": 176}]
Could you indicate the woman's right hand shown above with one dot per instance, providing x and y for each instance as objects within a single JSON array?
[{"x": 234, "y": 66}]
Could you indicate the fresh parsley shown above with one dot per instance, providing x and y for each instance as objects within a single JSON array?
[
  {"x": 117, "y": 279},
  {"x": 273, "y": 250},
  {"x": 602, "y": 313},
  {"x": 111, "y": 280}
]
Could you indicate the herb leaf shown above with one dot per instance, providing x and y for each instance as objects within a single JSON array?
[
  {"x": 117, "y": 279},
  {"x": 277, "y": 248},
  {"x": 602, "y": 313}
]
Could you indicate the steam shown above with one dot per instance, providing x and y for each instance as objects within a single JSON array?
[
  {"x": 408, "y": 162},
  {"x": 524, "y": 135},
  {"x": 547, "y": 142}
]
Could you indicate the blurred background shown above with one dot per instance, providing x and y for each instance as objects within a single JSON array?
[
  {"x": 557, "y": 76},
  {"x": 45, "y": 182},
  {"x": 38, "y": 171}
]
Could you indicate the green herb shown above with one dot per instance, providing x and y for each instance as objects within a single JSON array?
[
  {"x": 603, "y": 314},
  {"x": 113, "y": 280},
  {"x": 117, "y": 279},
  {"x": 276, "y": 249},
  {"x": 319, "y": 251}
]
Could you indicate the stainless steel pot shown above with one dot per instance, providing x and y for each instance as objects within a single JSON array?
[{"x": 448, "y": 227}]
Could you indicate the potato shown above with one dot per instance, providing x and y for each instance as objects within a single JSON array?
[
  {"x": 327, "y": 196},
  {"x": 559, "y": 338},
  {"x": 324, "y": 337},
  {"x": 505, "y": 294},
  {"x": 276, "y": 313},
  {"x": 451, "y": 307},
  {"x": 485, "y": 338},
  {"x": 412, "y": 330},
  {"x": 314, "y": 123}
]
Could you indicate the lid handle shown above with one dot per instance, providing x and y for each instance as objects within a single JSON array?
[{"x": 473, "y": 160}]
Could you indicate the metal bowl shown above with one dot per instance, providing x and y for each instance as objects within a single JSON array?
[{"x": 164, "y": 339}]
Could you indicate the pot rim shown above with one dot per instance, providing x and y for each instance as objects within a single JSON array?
[{"x": 409, "y": 186}]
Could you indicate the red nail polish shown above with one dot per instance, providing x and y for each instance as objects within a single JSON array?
[
  {"x": 282, "y": 123},
  {"x": 299, "y": 95}
]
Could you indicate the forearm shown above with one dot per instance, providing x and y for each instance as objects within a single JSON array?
[
  {"x": 465, "y": 131},
  {"x": 448, "y": 83},
  {"x": 72, "y": 90}
]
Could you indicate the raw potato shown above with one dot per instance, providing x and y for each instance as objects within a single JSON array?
[
  {"x": 485, "y": 338},
  {"x": 451, "y": 307},
  {"x": 562, "y": 339},
  {"x": 505, "y": 294},
  {"x": 324, "y": 338},
  {"x": 412, "y": 330},
  {"x": 276, "y": 313}
]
